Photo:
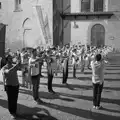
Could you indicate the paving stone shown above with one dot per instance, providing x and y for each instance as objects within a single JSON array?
[{"x": 72, "y": 102}]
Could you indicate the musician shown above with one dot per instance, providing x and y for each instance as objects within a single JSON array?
[
  {"x": 74, "y": 61},
  {"x": 24, "y": 61},
  {"x": 35, "y": 78},
  {"x": 40, "y": 52},
  {"x": 82, "y": 52},
  {"x": 65, "y": 64},
  {"x": 50, "y": 59},
  {"x": 11, "y": 84},
  {"x": 98, "y": 66}
]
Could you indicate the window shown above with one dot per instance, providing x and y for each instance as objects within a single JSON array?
[
  {"x": 19, "y": 1},
  {"x": 85, "y": 5},
  {"x": 98, "y": 5},
  {"x": 17, "y": 5},
  {"x": 0, "y": 5}
]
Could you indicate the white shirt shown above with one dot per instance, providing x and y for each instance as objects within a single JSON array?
[
  {"x": 24, "y": 58},
  {"x": 98, "y": 71},
  {"x": 34, "y": 67}
]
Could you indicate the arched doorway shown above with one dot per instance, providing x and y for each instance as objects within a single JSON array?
[
  {"x": 27, "y": 27},
  {"x": 98, "y": 35}
]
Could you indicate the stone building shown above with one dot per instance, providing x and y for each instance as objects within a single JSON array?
[
  {"x": 31, "y": 23},
  {"x": 96, "y": 32},
  {"x": 28, "y": 22}
]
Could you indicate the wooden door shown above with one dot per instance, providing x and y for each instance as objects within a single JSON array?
[{"x": 98, "y": 35}]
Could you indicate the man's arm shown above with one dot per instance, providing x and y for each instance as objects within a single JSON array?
[
  {"x": 36, "y": 60},
  {"x": 14, "y": 68},
  {"x": 3, "y": 75}
]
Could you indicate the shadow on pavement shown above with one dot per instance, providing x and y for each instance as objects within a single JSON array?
[
  {"x": 89, "y": 98},
  {"x": 88, "y": 114},
  {"x": 117, "y": 73},
  {"x": 84, "y": 78},
  {"x": 112, "y": 69},
  {"x": 112, "y": 79},
  {"x": 113, "y": 66},
  {"x": 27, "y": 113},
  {"x": 70, "y": 87},
  {"x": 47, "y": 95},
  {"x": 113, "y": 73},
  {"x": 70, "y": 77},
  {"x": 34, "y": 115},
  {"x": 84, "y": 87}
]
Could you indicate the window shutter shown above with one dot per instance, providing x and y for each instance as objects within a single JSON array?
[
  {"x": 0, "y": 5},
  {"x": 85, "y": 6},
  {"x": 17, "y": 5},
  {"x": 98, "y": 5}
]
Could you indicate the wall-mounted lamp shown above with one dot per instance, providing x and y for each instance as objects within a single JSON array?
[
  {"x": 75, "y": 25},
  {"x": 112, "y": 38}
]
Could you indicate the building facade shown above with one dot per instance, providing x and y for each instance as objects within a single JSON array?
[
  {"x": 95, "y": 32},
  {"x": 28, "y": 22}
]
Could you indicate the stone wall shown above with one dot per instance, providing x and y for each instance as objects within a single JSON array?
[{"x": 18, "y": 36}]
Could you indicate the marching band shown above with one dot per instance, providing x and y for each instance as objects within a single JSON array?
[{"x": 56, "y": 60}]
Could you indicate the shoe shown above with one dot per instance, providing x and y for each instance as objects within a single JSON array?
[
  {"x": 89, "y": 68},
  {"x": 98, "y": 107},
  {"x": 74, "y": 77},
  {"x": 51, "y": 91},
  {"x": 65, "y": 83},
  {"x": 39, "y": 101},
  {"x": 41, "y": 76},
  {"x": 13, "y": 116},
  {"x": 94, "y": 107}
]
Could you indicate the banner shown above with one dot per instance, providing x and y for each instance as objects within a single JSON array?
[{"x": 41, "y": 20}]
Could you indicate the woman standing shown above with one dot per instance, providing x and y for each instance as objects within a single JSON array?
[{"x": 11, "y": 84}]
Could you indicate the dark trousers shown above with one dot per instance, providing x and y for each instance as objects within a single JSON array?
[
  {"x": 12, "y": 95},
  {"x": 50, "y": 78},
  {"x": 97, "y": 90},
  {"x": 40, "y": 69},
  {"x": 65, "y": 71},
  {"x": 74, "y": 70},
  {"x": 35, "y": 82}
]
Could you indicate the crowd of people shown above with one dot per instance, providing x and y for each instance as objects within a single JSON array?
[{"x": 56, "y": 59}]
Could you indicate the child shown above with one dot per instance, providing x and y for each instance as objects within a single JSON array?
[{"x": 97, "y": 66}]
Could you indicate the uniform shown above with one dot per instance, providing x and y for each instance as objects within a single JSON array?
[
  {"x": 65, "y": 67},
  {"x": 35, "y": 79},
  {"x": 50, "y": 70}
]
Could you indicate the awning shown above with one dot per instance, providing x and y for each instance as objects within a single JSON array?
[{"x": 86, "y": 15}]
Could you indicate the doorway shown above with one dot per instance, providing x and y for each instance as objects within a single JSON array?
[
  {"x": 98, "y": 35},
  {"x": 2, "y": 39}
]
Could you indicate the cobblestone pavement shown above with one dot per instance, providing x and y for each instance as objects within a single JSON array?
[{"x": 72, "y": 102}]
